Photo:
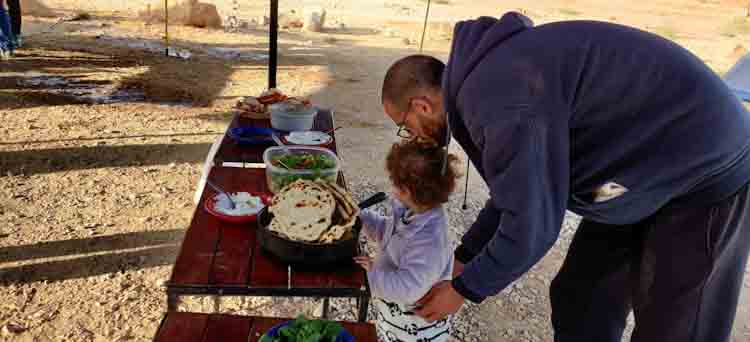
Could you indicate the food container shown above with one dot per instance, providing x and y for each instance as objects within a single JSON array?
[
  {"x": 289, "y": 117},
  {"x": 344, "y": 336},
  {"x": 211, "y": 207},
  {"x": 279, "y": 176}
]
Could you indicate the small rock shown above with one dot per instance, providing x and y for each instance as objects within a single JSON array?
[
  {"x": 161, "y": 283},
  {"x": 81, "y": 17},
  {"x": 44, "y": 314},
  {"x": 13, "y": 328},
  {"x": 315, "y": 18}
]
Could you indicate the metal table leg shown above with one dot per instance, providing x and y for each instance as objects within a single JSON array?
[
  {"x": 364, "y": 305},
  {"x": 326, "y": 306},
  {"x": 172, "y": 301}
]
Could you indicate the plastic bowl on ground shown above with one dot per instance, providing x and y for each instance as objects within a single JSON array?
[
  {"x": 344, "y": 336},
  {"x": 288, "y": 118},
  {"x": 250, "y": 135},
  {"x": 278, "y": 176}
]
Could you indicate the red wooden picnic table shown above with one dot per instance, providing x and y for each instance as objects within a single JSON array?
[
  {"x": 195, "y": 327},
  {"x": 219, "y": 258}
]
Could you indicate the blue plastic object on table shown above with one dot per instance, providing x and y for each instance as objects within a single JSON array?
[
  {"x": 344, "y": 336},
  {"x": 251, "y": 135}
]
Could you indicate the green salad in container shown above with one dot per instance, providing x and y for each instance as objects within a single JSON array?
[
  {"x": 305, "y": 330},
  {"x": 300, "y": 165}
]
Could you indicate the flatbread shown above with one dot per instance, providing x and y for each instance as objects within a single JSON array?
[
  {"x": 302, "y": 211},
  {"x": 347, "y": 209},
  {"x": 343, "y": 198},
  {"x": 348, "y": 199},
  {"x": 341, "y": 205}
]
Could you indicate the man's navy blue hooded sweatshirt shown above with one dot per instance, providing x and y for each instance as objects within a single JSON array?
[{"x": 549, "y": 114}]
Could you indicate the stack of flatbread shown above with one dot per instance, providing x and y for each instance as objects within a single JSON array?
[{"x": 313, "y": 211}]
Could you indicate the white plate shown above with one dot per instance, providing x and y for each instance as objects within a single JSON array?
[
  {"x": 242, "y": 200},
  {"x": 309, "y": 138}
]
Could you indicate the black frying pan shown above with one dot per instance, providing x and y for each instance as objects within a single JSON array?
[{"x": 309, "y": 254}]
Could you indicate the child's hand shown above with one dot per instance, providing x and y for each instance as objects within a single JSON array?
[{"x": 364, "y": 261}]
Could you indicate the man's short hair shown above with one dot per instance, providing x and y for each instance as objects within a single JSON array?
[{"x": 410, "y": 75}]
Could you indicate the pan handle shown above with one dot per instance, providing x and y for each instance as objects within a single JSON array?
[{"x": 373, "y": 200}]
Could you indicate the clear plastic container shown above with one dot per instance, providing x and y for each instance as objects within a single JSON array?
[
  {"x": 278, "y": 176},
  {"x": 286, "y": 117}
]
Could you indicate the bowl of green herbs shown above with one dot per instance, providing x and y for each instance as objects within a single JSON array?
[
  {"x": 284, "y": 165},
  {"x": 307, "y": 330}
]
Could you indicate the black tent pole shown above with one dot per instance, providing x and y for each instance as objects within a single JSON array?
[{"x": 274, "y": 49}]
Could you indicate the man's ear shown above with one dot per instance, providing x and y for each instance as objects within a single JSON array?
[{"x": 420, "y": 105}]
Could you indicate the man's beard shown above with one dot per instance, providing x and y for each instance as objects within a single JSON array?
[{"x": 437, "y": 130}]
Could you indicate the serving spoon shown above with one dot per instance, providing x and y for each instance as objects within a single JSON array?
[{"x": 221, "y": 191}]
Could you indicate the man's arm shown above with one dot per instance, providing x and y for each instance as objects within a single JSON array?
[
  {"x": 528, "y": 177},
  {"x": 480, "y": 233}
]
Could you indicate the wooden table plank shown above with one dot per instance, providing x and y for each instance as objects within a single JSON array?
[
  {"x": 344, "y": 276},
  {"x": 183, "y": 327},
  {"x": 193, "y": 265},
  {"x": 361, "y": 331},
  {"x": 232, "y": 262},
  {"x": 261, "y": 325},
  {"x": 194, "y": 327},
  {"x": 227, "y": 328},
  {"x": 267, "y": 272}
]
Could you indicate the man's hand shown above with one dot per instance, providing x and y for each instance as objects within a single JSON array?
[
  {"x": 441, "y": 301},
  {"x": 458, "y": 268},
  {"x": 364, "y": 261}
]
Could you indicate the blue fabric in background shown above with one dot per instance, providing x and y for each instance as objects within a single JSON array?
[
  {"x": 738, "y": 78},
  {"x": 6, "y": 34}
]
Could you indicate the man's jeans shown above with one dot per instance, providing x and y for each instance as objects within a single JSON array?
[{"x": 7, "y": 38}]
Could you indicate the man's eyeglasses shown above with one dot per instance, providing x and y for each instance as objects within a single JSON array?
[{"x": 404, "y": 133}]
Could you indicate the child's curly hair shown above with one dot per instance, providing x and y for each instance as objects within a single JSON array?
[{"x": 418, "y": 168}]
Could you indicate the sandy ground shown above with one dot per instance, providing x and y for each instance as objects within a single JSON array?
[{"x": 103, "y": 141}]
